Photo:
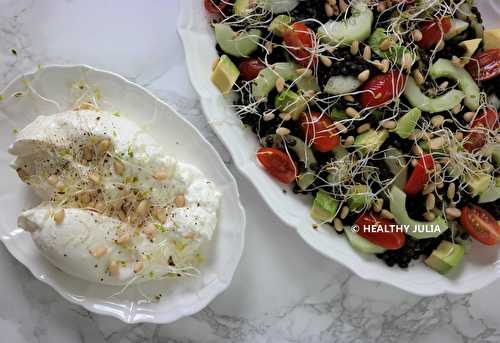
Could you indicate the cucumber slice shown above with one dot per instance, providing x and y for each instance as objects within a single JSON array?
[
  {"x": 278, "y": 6},
  {"x": 444, "y": 68},
  {"x": 290, "y": 102},
  {"x": 397, "y": 165},
  {"x": 415, "y": 227},
  {"x": 371, "y": 140},
  {"x": 237, "y": 44},
  {"x": 360, "y": 197},
  {"x": 357, "y": 27},
  {"x": 441, "y": 103},
  {"x": 361, "y": 244},
  {"x": 339, "y": 84},
  {"x": 457, "y": 27},
  {"x": 407, "y": 123}
]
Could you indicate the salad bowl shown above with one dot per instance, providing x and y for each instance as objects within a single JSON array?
[
  {"x": 481, "y": 267},
  {"x": 52, "y": 89}
]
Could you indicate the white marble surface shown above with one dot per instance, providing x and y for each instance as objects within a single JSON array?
[{"x": 283, "y": 291}]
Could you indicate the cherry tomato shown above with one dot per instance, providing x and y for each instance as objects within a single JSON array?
[
  {"x": 250, "y": 68},
  {"x": 215, "y": 6},
  {"x": 319, "y": 130},
  {"x": 419, "y": 176},
  {"x": 433, "y": 32},
  {"x": 388, "y": 237},
  {"x": 477, "y": 138},
  {"x": 278, "y": 164},
  {"x": 485, "y": 65},
  {"x": 300, "y": 42},
  {"x": 381, "y": 89},
  {"x": 480, "y": 224}
]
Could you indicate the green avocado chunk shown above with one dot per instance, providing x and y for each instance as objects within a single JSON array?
[
  {"x": 225, "y": 74},
  {"x": 371, "y": 140},
  {"x": 407, "y": 123},
  {"x": 444, "y": 68},
  {"x": 395, "y": 52},
  {"x": 445, "y": 257},
  {"x": 238, "y": 44},
  {"x": 361, "y": 244},
  {"x": 441, "y": 103},
  {"x": 416, "y": 229},
  {"x": 290, "y": 102},
  {"x": 359, "y": 197},
  {"x": 479, "y": 184},
  {"x": 324, "y": 207}
]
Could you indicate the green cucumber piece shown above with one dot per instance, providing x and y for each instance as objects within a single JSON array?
[
  {"x": 361, "y": 244},
  {"x": 359, "y": 198},
  {"x": 290, "y": 102},
  {"x": 492, "y": 193},
  {"x": 339, "y": 84},
  {"x": 278, "y": 6},
  {"x": 358, "y": 27},
  {"x": 407, "y": 123},
  {"x": 444, "y": 68},
  {"x": 441, "y": 103},
  {"x": 457, "y": 27},
  {"x": 280, "y": 24},
  {"x": 445, "y": 257},
  {"x": 397, "y": 165},
  {"x": 240, "y": 44},
  {"x": 324, "y": 207},
  {"x": 398, "y": 209},
  {"x": 371, "y": 140}
]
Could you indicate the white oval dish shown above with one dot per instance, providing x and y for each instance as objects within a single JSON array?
[
  {"x": 27, "y": 97},
  {"x": 482, "y": 265}
]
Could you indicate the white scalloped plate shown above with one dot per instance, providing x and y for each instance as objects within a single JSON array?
[
  {"x": 181, "y": 297},
  {"x": 482, "y": 265}
]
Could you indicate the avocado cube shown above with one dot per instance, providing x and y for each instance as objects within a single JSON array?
[
  {"x": 290, "y": 102},
  {"x": 447, "y": 256},
  {"x": 479, "y": 184},
  {"x": 371, "y": 140},
  {"x": 225, "y": 74},
  {"x": 324, "y": 207}
]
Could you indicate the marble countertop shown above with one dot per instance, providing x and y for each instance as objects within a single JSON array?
[{"x": 283, "y": 291}]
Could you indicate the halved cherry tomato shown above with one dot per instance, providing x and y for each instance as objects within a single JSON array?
[
  {"x": 278, "y": 164},
  {"x": 419, "y": 176},
  {"x": 320, "y": 130},
  {"x": 382, "y": 89},
  {"x": 215, "y": 6},
  {"x": 485, "y": 65},
  {"x": 250, "y": 68},
  {"x": 380, "y": 231},
  {"x": 433, "y": 32},
  {"x": 480, "y": 224},
  {"x": 477, "y": 139},
  {"x": 300, "y": 42}
]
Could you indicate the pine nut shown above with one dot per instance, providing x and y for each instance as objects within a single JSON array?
[
  {"x": 339, "y": 226},
  {"x": 456, "y": 109},
  {"x": 453, "y": 212},
  {"x": 327, "y": 62},
  {"x": 363, "y": 128},
  {"x": 381, "y": 7},
  {"x": 364, "y": 75},
  {"x": 451, "y": 191},
  {"x": 414, "y": 163},
  {"x": 138, "y": 267},
  {"x": 267, "y": 116},
  {"x": 280, "y": 84},
  {"x": 282, "y": 131},
  {"x": 103, "y": 146},
  {"x": 386, "y": 64},
  {"x": 343, "y": 6},
  {"x": 180, "y": 201},
  {"x": 340, "y": 127},
  {"x": 150, "y": 230},
  {"x": 114, "y": 268},
  {"x": 269, "y": 47},
  {"x": 437, "y": 121},
  {"x": 367, "y": 53},
  {"x": 429, "y": 216},
  {"x": 59, "y": 216},
  {"x": 124, "y": 239},
  {"x": 99, "y": 251},
  {"x": 459, "y": 136},
  {"x": 118, "y": 167},
  {"x": 430, "y": 202},
  {"x": 443, "y": 85},
  {"x": 458, "y": 62},
  {"x": 386, "y": 44},
  {"x": 378, "y": 205},
  {"x": 304, "y": 72},
  {"x": 329, "y": 10},
  {"x": 161, "y": 214},
  {"x": 160, "y": 174},
  {"x": 285, "y": 116},
  {"x": 417, "y": 150},
  {"x": 52, "y": 180},
  {"x": 419, "y": 78},
  {"x": 436, "y": 143},
  {"x": 351, "y": 112},
  {"x": 431, "y": 187},
  {"x": 468, "y": 116},
  {"x": 386, "y": 214},
  {"x": 344, "y": 212},
  {"x": 349, "y": 141},
  {"x": 349, "y": 98},
  {"x": 355, "y": 47},
  {"x": 389, "y": 124},
  {"x": 142, "y": 208},
  {"x": 407, "y": 61},
  {"x": 417, "y": 35}
]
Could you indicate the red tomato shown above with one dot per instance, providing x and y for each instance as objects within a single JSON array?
[
  {"x": 485, "y": 65},
  {"x": 250, "y": 68},
  {"x": 388, "y": 237},
  {"x": 381, "y": 89},
  {"x": 300, "y": 42},
  {"x": 212, "y": 7},
  {"x": 419, "y": 176},
  {"x": 433, "y": 32},
  {"x": 477, "y": 138},
  {"x": 319, "y": 130},
  {"x": 480, "y": 224},
  {"x": 278, "y": 164}
]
